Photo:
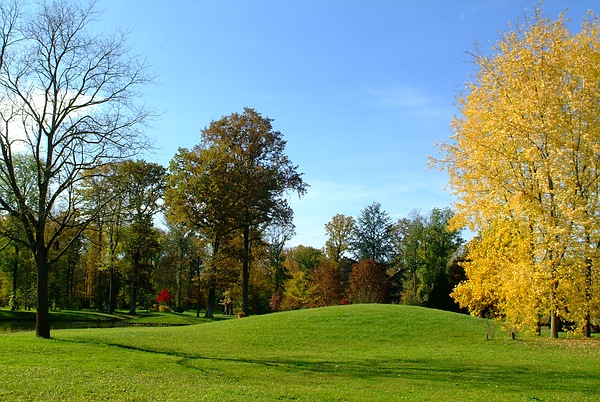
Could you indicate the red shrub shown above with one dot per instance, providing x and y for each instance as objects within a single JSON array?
[{"x": 164, "y": 296}]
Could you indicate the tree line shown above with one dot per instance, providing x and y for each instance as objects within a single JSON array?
[
  {"x": 372, "y": 259},
  {"x": 124, "y": 260},
  {"x": 78, "y": 204}
]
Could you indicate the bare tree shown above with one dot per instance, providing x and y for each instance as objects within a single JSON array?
[{"x": 67, "y": 99}]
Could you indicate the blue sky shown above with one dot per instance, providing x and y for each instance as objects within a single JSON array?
[{"x": 361, "y": 90}]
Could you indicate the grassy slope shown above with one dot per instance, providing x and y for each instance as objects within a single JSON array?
[{"x": 361, "y": 352}]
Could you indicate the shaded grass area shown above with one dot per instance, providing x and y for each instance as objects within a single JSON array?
[
  {"x": 92, "y": 316},
  {"x": 360, "y": 352}
]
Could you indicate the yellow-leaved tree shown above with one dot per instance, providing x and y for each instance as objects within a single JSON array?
[{"x": 524, "y": 162}]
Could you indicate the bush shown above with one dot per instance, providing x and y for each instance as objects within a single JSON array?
[
  {"x": 164, "y": 309},
  {"x": 164, "y": 296}
]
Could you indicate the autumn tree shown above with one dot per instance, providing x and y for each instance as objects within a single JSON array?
[
  {"x": 68, "y": 101},
  {"x": 326, "y": 284},
  {"x": 524, "y": 163},
  {"x": 300, "y": 263},
  {"x": 67, "y": 277},
  {"x": 177, "y": 262},
  {"x": 306, "y": 258},
  {"x": 339, "y": 237},
  {"x": 246, "y": 176},
  {"x": 144, "y": 184},
  {"x": 276, "y": 236},
  {"x": 199, "y": 196},
  {"x": 368, "y": 282},
  {"x": 503, "y": 277},
  {"x": 105, "y": 190},
  {"x": 261, "y": 172},
  {"x": 261, "y": 286}
]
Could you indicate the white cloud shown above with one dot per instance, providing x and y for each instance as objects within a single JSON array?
[{"x": 407, "y": 98}]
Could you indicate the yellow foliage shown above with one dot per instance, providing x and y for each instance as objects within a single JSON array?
[{"x": 525, "y": 166}]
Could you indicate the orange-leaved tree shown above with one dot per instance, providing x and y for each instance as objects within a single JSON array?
[{"x": 368, "y": 282}]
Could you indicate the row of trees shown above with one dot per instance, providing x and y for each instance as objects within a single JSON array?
[
  {"x": 122, "y": 260},
  {"x": 77, "y": 210},
  {"x": 70, "y": 128},
  {"x": 115, "y": 249},
  {"x": 525, "y": 164},
  {"x": 68, "y": 107},
  {"x": 374, "y": 259}
]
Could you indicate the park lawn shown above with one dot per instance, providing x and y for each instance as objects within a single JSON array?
[{"x": 350, "y": 353}]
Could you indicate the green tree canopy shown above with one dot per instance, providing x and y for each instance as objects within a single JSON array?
[
  {"x": 373, "y": 236},
  {"x": 235, "y": 179}
]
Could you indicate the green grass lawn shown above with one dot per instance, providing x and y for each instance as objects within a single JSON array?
[
  {"x": 141, "y": 318},
  {"x": 345, "y": 353}
]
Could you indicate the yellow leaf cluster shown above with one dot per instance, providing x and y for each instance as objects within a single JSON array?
[{"x": 524, "y": 163}]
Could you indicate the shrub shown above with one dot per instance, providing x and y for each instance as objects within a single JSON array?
[{"x": 164, "y": 296}]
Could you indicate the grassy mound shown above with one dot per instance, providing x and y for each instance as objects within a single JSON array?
[{"x": 359, "y": 352}]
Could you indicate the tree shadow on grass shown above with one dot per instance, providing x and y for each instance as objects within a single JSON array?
[{"x": 445, "y": 371}]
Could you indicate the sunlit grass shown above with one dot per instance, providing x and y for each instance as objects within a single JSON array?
[{"x": 361, "y": 352}]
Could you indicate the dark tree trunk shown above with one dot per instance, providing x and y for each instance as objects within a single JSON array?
[
  {"x": 554, "y": 321},
  {"x": 15, "y": 272},
  {"x": 133, "y": 302},
  {"x": 42, "y": 316},
  {"x": 134, "y": 285},
  {"x": 587, "y": 327},
  {"x": 246, "y": 270},
  {"x": 70, "y": 280},
  {"x": 199, "y": 292},
  {"x": 554, "y": 324},
  {"x": 178, "y": 302},
  {"x": 111, "y": 291},
  {"x": 212, "y": 290},
  {"x": 210, "y": 303},
  {"x": 99, "y": 290}
]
